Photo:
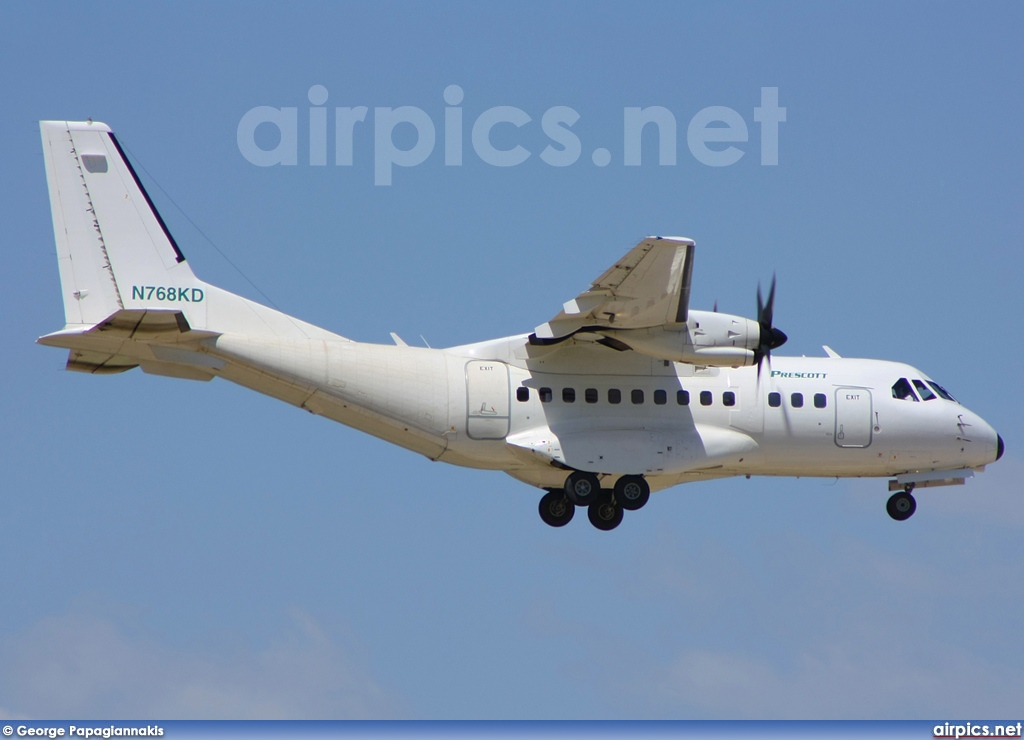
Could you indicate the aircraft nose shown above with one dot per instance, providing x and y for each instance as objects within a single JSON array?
[{"x": 1000, "y": 447}]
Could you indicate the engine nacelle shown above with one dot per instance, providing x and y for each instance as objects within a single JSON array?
[{"x": 707, "y": 338}]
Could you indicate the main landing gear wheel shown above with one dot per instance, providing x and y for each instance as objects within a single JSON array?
[
  {"x": 632, "y": 492},
  {"x": 582, "y": 488},
  {"x": 605, "y": 513},
  {"x": 556, "y": 509},
  {"x": 901, "y": 506}
]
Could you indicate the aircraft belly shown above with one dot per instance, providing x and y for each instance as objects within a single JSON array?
[
  {"x": 637, "y": 451},
  {"x": 396, "y": 393}
]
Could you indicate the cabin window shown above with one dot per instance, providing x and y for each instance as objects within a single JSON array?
[
  {"x": 796, "y": 400},
  {"x": 705, "y": 398},
  {"x": 660, "y": 397},
  {"x": 774, "y": 400},
  {"x": 614, "y": 395},
  {"x": 941, "y": 391},
  {"x": 820, "y": 400},
  {"x": 901, "y": 389},
  {"x": 729, "y": 398},
  {"x": 590, "y": 395},
  {"x": 923, "y": 391},
  {"x": 637, "y": 396},
  {"x": 545, "y": 395},
  {"x": 522, "y": 393},
  {"x": 569, "y": 395},
  {"x": 683, "y": 398}
]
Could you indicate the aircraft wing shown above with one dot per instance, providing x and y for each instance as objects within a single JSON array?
[{"x": 648, "y": 287}]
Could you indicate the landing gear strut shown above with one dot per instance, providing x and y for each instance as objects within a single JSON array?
[
  {"x": 605, "y": 513},
  {"x": 901, "y": 505}
]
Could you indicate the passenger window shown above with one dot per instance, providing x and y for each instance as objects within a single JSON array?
[
  {"x": 729, "y": 398},
  {"x": 820, "y": 401},
  {"x": 590, "y": 395},
  {"x": 901, "y": 389},
  {"x": 614, "y": 395},
  {"x": 774, "y": 400},
  {"x": 545, "y": 395},
  {"x": 522, "y": 393},
  {"x": 637, "y": 396},
  {"x": 797, "y": 400},
  {"x": 660, "y": 397},
  {"x": 705, "y": 398},
  {"x": 683, "y": 398},
  {"x": 923, "y": 391},
  {"x": 569, "y": 395}
]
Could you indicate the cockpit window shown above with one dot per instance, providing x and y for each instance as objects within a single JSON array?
[
  {"x": 941, "y": 391},
  {"x": 901, "y": 389},
  {"x": 924, "y": 391}
]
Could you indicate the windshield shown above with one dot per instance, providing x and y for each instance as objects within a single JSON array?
[
  {"x": 942, "y": 391},
  {"x": 902, "y": 390},
  {"x": 923, "y": 390}
]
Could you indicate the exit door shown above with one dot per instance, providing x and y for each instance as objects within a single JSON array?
[
  {"x": 853, "y": 417},
  {"x": 487, "y": 400}
]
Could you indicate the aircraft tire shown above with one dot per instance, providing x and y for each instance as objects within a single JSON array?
[
  {"x": 555, "y": 509},
  {"x": 901, "y": 506},
  {"x": 605, "y": 513},
  {"x": 582, "y": 488},
  {"x": 632, "y": 492}
]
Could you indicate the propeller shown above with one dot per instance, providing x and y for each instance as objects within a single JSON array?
[{"x": 771, "y": 338}]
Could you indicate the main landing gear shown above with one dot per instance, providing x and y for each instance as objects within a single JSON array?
[
  {"x": 901, "y": 505},
  {"x": 605, "y": 508}
]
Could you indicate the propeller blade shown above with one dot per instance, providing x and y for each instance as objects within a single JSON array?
[
  {"x": 770, "y": 337},
  {"x": 769, "y": 308}
]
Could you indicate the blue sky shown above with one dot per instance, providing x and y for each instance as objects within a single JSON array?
[{"x": 180, "y": 549}]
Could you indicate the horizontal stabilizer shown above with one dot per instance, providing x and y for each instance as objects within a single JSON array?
[
  {"x": 98, "y": 363},
  {"x": 138, "y": 323},
  {"x": 159, "y": 340}
]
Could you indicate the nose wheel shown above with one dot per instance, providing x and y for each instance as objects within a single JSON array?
[{"x": 902, "y": 505}]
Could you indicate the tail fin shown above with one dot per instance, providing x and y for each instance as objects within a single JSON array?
[
  {"x": 113, "y": 249},
  {"x": 117, "y": 259}
]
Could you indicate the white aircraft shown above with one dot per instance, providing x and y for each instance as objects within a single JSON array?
[{"x": 626, "y": 391}]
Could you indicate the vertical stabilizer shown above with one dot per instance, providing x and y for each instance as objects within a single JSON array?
[
  {"x": 113, "y": 249},
  {"x": 115, "y": 253}
]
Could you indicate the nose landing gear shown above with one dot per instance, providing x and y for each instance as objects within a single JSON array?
[{"x": 902, "y": 505}]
